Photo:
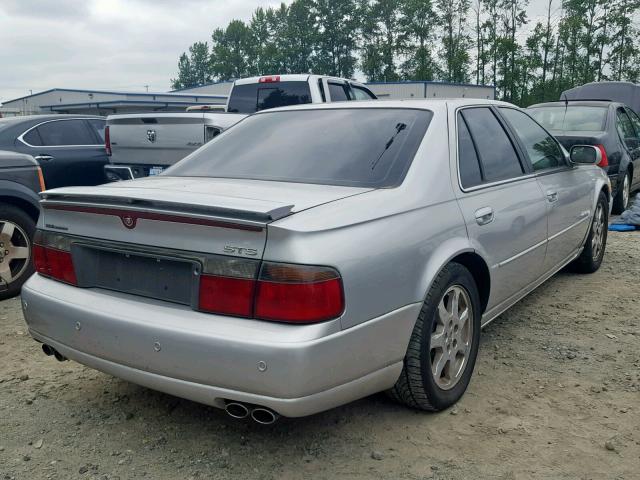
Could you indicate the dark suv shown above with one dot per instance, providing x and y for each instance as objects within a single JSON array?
[
  {"x": 69, "y": 148},
  {"x": 613, "y": 127},
  {"x": 20, "y": 181}
]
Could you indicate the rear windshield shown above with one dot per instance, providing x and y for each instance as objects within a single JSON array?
[
  {"x": 254, "y": 97},
  {"x": 360, "y": 147},
  {"x": 576, "y": 118}
]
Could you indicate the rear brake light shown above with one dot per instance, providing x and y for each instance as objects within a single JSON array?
[
  {"x": 269, "y": 79},
  {"x": 226, "y": 295},
  {"x": 298, "y": 293},
  {"x": 282, "y": 292},
  {"x": 54, "y": 263},
  {"x": 107, "y": 140},
  {"x": 605, "y": 161}
]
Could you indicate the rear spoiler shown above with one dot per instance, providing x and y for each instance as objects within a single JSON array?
[{"x": 132, "y": 209}]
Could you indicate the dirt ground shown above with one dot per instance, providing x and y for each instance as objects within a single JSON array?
[{"x": 555, "y": 395}]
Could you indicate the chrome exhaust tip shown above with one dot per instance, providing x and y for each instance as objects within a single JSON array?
[
  {"x": 47, "y": 349},
  {"x": 264, "y": 416},
  {"x": 236, "y": 410}
]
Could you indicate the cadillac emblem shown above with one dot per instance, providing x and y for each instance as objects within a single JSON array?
[{"x": 151, "y": 135}]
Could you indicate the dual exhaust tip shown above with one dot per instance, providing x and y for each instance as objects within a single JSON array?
[
  {"x": 49, "y": 351},
  {"x": 261, "y": 415}
]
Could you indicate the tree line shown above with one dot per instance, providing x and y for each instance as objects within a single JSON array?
[{"x": 479, "y": 41}]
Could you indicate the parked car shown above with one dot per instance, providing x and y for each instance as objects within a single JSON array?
[
  {"x": 146, "y": 144},
  {"x": 613, "y": 127},
  {"x": 20, "y": 181},
  {"x": 69, "y": 148},
  {"x": 316, "y": 254}
]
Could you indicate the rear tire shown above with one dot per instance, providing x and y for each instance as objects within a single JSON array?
[
  {"x": 16, "y": 236},
  {"x": 444, "y": 345},
  {"x": 621, "y": 200},
  {"x": 591, "y": 257}
]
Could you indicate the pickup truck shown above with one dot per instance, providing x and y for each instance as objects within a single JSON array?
[{"x": 141, "y": 145}]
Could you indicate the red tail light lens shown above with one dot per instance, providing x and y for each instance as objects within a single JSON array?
[
  {"x": 298, "y": 293},
  {"x": 269, "y": 79},
  {"x": 226, "y": 295},
  {"x": 605, "y": 161},
  {"x": 54, "y": 263},
  {"x": 107, "y": 140}
]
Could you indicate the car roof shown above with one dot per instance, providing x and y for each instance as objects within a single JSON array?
[
  {"x": 43, "y": 118},
  {"x": 580, "y": 103},
  {"x": 426, "y": 104}
]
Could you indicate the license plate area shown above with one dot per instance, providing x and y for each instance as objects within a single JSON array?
[
  {"x": 155, "y": 171},
  {"x": 154, "y": 276}
]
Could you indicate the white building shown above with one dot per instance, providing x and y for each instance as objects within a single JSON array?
[{"x": 99, "y": 102}]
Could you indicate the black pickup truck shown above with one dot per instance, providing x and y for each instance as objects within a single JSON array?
[{"x": 20, "y": 181}]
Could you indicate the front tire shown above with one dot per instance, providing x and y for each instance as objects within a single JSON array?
[
  {"x": 591, "y": 257},
  {"x": 444, "y": 344},
  {"x": 16, "y": 235},
  {"x": 621, "y": 200}
]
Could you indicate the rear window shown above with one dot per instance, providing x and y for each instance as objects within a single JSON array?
[
  {"x": 254, "y": 97},
  {"x": 574, "y": 118},
  {"x": 360, "y": 147}
]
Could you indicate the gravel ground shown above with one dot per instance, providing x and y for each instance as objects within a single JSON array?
[{"x": 555, "y": 395}]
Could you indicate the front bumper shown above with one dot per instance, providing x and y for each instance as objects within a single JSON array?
[{"x": 212, "y": 358}]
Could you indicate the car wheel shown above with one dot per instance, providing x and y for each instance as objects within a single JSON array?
[
  {"x": 444, "y": 343},
  {"x": 621, "y": 201},
  {"x": 16, "y": 234},
  {"x": 594, "y": 246}
]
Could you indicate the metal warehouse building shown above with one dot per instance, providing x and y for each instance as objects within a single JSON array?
[{"x": 99, "y": 102}]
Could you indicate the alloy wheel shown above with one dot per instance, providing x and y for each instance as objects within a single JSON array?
[
  {"x": 15, "y": 251},
  {"x": 597, "y": 236},
  {"x": 452, "y": 336}
]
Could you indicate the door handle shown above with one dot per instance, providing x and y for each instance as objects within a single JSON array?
[
  {"x": 552, "y": 196},
  {"x": 484, "y": 215},
  {"x": 44, "y": 158}
]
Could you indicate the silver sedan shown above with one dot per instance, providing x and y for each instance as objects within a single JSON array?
[{"x": 313, "y": 255}]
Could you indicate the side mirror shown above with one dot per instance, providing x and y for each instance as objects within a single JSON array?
[{"x": 585, "y": 155}]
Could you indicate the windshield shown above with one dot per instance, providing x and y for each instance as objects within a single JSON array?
[
  {"x": 360, "y": 147},
  {"x": 574, "y": 118},
  {"x": 253, "y": 97}
]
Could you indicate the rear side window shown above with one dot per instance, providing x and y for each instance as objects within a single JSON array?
[
  {"x": 358, "y": 147},
  {"x": 66, "y": 132},
  {"x": 470, "y": 174},
  {"x": 636, "y": 122},
  {"x": 361, "y": 93},
  {"x": 498, "y": 157},
  {"x": 32, "y": 137},
  {"x": 542, "y": 149},
  {"x": 338, "y": 92},
  {"x": 625, "y": 129},
  {"x": 98, "y": 125},
  {"x": 254, "y": 97},
  {"x": 572, "y": 118}
]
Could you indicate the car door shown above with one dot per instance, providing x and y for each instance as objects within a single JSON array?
[
  {"x": 567, "y": 188},
  {"x": 634, "y": 145},
  {"x": 501, "y": 201},
  {"x": 69, "y": 152}
]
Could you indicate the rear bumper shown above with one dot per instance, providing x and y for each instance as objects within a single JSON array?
[{"x": 210, "y": 358}]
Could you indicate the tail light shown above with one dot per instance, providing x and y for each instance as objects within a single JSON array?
[
  {"x": 53, "y": 262},
  {"x": 107, "y": 140},
  {"x": 269, "y": 79},
  {"x": 281, "y": 292},
  {"x": 605, "y": 161}
]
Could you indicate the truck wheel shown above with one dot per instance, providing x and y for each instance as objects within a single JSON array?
[
  {"x": 591, "y": 257},
  {"x": 621, "y": 200},
  {"x": 16, "y": 235},
  {"x": 444, "y": 344}
]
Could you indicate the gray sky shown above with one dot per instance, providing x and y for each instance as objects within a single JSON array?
[{"x": 111, "y": 44}]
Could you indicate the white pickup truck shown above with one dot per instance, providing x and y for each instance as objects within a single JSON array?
[{"x": 145, "y": 144}]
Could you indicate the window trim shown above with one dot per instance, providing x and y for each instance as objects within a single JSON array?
[
  {"x": 567, "y": 165},
  {"x": 21, "y": 136},
  {"x": 354, "y": 86},
  {"x": 345, "y": 87},
  {"x": 623, "y": 110},
  {"x": 527, "y": 173}
]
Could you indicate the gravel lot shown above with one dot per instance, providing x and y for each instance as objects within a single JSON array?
[{"x": 555, "y": 395}]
